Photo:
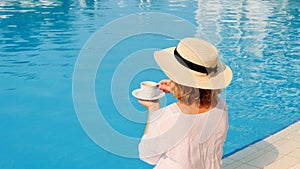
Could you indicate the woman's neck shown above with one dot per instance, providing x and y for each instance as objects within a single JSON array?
[{"x": 196, "y": 109}]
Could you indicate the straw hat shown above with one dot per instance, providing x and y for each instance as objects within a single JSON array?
[{"x": 194, "y": 63}]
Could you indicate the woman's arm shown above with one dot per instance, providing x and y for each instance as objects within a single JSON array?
[
  {"x": 151, "y": 106},
  {"x": 148, "y": 151},
  {"x": 144, "y": 150}
]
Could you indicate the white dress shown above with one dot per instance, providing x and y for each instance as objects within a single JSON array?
[{"x": 182, "y": 141}]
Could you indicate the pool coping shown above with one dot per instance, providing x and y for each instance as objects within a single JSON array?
[{"x": 277, "y": 151}]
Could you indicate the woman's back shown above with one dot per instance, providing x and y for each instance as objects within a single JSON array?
[{"x": 183, "y": 141}]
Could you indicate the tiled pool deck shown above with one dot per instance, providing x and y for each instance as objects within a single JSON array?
[{"x": 278, "y": 151}]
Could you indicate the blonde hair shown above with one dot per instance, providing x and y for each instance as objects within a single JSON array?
[{"x": 190, "y": 95}]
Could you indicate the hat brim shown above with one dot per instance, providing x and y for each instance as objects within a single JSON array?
[{"x": 185, "y": 76}]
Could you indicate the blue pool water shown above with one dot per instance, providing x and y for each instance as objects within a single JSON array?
[{"x": 40, "y": 42}]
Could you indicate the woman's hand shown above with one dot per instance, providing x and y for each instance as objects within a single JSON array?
[
  {"x": 150, "y": 105},
  {"x": 164, "y": 85}
]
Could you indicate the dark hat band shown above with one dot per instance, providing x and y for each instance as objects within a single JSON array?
[{"x": 193, "y": 66}]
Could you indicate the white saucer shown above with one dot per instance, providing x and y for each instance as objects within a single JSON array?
[{"x": 159, "y": 95}]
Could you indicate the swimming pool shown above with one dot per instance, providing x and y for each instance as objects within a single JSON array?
[{"x": 40, "y": 42}]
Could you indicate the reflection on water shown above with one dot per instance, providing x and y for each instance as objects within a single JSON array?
[
  {"x": 254, "y": 37},
  {"x": 40, "y": 40}
]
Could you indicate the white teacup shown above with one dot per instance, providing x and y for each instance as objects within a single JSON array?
[{"x": 148, "y": 89}]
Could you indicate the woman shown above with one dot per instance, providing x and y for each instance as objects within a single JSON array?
[{"x": 189, "y": 134}]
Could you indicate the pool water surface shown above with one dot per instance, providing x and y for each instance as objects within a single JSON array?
[{"x": 41, "y": 40}]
